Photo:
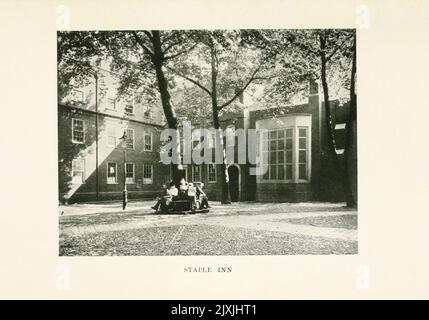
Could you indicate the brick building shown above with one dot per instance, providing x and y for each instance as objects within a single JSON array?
[{"x": 92, "y": 166}]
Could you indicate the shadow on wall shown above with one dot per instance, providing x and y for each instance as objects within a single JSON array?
[{"x": 69, "y": 151}]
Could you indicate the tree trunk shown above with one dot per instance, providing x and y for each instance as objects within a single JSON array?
[
  {"x": 350, "y": 152},
  {"x": 224, "y": 170},
  {"x": 170, "y": 115},
  {"x": 331, "y": 152}
]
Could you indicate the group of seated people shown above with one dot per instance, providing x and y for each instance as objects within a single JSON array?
[{"x": 186, "y": 191}]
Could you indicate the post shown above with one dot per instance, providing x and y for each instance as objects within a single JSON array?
[
  {"x": 125, "y": 192},
  {"x": 97, "y": 185}
]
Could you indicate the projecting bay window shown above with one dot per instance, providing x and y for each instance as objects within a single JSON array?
[
  {"x": 129, "y": 172},
  {"x": 147, "y": 174},
  {"x": 78, "y": 131},
  {"x": 302, "y": 153},
  {"x": 112, "y": 173},
  {"x": 288, "y": 152},
  {"x": 78, "y": 171}
]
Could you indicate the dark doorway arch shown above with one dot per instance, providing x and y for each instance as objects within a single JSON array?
[{"x": 234, "y": 182}]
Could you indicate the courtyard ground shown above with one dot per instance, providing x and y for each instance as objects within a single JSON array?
[{"x": 246, "y": 228}]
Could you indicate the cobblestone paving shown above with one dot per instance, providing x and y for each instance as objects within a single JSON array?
[{"x": 241, "y": 229}]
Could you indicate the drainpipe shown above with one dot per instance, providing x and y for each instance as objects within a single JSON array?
[{"x": 97, "y": 186}]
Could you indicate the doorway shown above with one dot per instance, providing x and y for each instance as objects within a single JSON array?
[{"x": 234, "y": 182}]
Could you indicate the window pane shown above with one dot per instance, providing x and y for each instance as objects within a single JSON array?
[
  {"x": 281, "y": 172},
  {"x": 289, "y": 172},
  {"x": 302, "y": 132},
  {"x": 273, "y": 172},
  {"x": 281, "y": 144},
  {"x": 273, "y": 134},
  {"x": 273, "y": 157},
  {"x": 302, "y": 171},
  {"x": 302, "y": 143},
  {"x": 289, "y": 133},
  {"x": 289, "y": 156},
  {"x": 302, "y": 156},
  {"x": 280, "y": 134},
  {"x": 129, "y": 109},
  {"x": 273, "y": 145},
  {"x": 288, "y": 144},
  {"x": 280, "y": 157}
]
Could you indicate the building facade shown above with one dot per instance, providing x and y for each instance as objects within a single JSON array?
[{"x": 104, "y": 141}]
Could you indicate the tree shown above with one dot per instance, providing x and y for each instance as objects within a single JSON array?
[
  {"x": 218, "y": 72},
  {"x": 139, "y": 55}
]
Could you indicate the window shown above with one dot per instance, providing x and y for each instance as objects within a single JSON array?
[
  {"x": 147, "y": 174},
  {"x": 302, "y": 153},
  {"x": 211, "y": 143},
  {"x": 129, "y": 108},
  {"x": 196, "y": 172},
  {"x": 78, "y": 171},
  {"x": 111, "y": 104},
  {"x": 111, "y": 137},
  {"x": 148, "y": 113},
  {"x": 130, "y": 138},
  {"x": 112, "y": 173},
  {"x": 129, "y": 172},
  {"x": 76, "y": 95},
  {"x": 78, "y": 134},
  {"x": 211, "y": 172},
  {"x": 147, "y": 141},
  {"x": 287, "y": 154}
]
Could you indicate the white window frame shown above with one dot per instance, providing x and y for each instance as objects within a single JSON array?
[
  {"x": 134, "y": 138},
  {"x": 133, "y": 181},
  {"x": 296, "y": 150},
  {"x": 130, "y": 103},
  {"x": 116, "y": 172},
  {"x": 192, "y": 169},
  {"x": 144, "y": 140},
  {"x": 83, "y": 171},
  {"x": 108, "y": 104},
  {"x": 296, "y": 122},
  {"x": 148, "y": 180},
  {"x": 73, "y": 95},
  {"x": 208, "y": 173},
  {"x": 83, "y": 130}
]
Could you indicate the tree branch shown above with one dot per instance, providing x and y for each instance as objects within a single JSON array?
[
  {"x": 148, "y": 34},
  {"x": 141, "y": 43},
  {"x": 337, "y": 48},
  {"x": 190, "y": 80},
  {"x": 179, "y": 53},
  {"x": 239, "y": 92}
]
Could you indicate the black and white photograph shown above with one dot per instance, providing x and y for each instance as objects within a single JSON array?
[{"x": 207, "y": 142}]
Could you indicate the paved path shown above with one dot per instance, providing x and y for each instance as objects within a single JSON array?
[{"x": 236, "y": 216}]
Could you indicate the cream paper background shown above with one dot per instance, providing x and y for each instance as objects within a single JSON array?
[{"x": 392, "y": 130}]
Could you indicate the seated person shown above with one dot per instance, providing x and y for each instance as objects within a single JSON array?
[
  {"x": 183, "y": 188},
  {"x": 192, "y": 193},
  {"x": 162, "y": 199},
  {"x": 201, "y": 194}
]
